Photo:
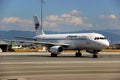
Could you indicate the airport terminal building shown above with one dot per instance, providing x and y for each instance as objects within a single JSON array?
[{"x": 3, "y": 46}]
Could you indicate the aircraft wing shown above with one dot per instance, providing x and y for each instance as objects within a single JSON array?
[{"x": 47, "y": 44}]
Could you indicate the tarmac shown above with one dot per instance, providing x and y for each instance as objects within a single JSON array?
[{"x": 40, "y": 66}]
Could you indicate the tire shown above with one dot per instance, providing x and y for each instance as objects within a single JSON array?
[
  {"x": 78, "y": 54},
  {"x": 95, "y": 56},
  {"x": 53, "y": 55}
]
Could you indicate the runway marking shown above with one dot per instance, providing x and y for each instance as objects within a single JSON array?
[
  {"x": 62, "y": 62},
  {"x": 46, "y": 53}
]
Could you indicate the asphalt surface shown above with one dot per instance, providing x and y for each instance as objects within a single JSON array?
[{"x": 40, "y": 66}]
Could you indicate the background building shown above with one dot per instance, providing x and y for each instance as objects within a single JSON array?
[{"x": 3, "y": 46}]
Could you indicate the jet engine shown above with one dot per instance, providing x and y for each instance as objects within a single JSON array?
[{"x": 56, "y": 49}]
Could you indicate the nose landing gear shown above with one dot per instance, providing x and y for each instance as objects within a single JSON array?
[
  {"x": 95, "y": 56},
  {"x": 78, "y": 54},
  {"x": 95, "y": 52}
]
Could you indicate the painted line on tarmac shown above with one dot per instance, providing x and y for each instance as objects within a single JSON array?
[
  {"x": 46, "y": 53},
  {"x": 32, "y": 53},
  {"x": 63, "y": 62}
]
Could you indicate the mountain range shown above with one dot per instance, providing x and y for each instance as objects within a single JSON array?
[{"x": 112, "y": 35}]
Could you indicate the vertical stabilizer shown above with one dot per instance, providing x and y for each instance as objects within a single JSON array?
[{"x": 38, "y": 27}]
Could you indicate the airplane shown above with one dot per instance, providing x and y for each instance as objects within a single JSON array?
[{"x": 57, "y": 43}]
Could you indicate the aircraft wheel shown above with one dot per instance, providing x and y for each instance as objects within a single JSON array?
[
  {"x": 53, "y": 55},
  {"x": 95, "y": 56},
  {"x": 78, "y": 54}
]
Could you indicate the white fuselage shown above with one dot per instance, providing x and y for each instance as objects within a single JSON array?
[
  {"x": 56, "y": 43},
  {"x": 77, "y": 41}
]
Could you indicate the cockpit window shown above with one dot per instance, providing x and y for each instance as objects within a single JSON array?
[{"x": 99, "y": 38}]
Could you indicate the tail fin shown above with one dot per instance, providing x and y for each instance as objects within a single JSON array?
[{"x": 38, "y": 27}]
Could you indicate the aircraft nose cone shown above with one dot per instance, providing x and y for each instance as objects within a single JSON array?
[{"x": 106, "y": 43}]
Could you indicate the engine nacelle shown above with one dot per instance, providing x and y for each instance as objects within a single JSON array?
[{"x": 56, "y": 49}]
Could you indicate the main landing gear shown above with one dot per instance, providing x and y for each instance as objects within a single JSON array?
[
  {"x": 78, "y": 54},
  {"x": 95, "y": 54},
  {"x": 53, "y": 55}
]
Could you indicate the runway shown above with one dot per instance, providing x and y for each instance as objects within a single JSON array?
[{"x": 40, "y": 66}]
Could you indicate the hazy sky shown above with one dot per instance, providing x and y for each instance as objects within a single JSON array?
[{"x": 60, "y": 15}]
